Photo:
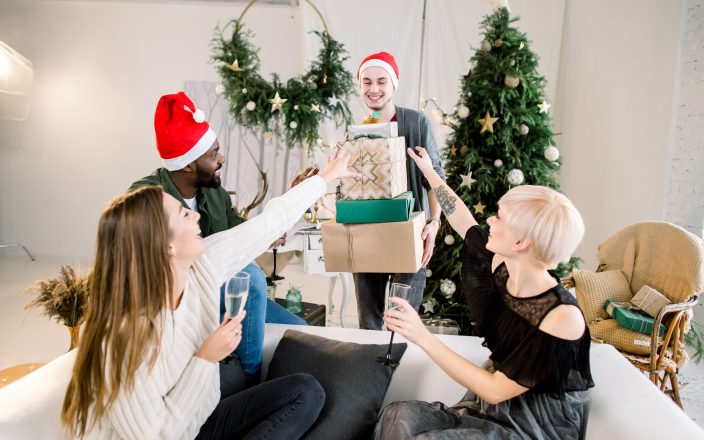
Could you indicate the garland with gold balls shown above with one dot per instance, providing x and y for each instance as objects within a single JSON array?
[{"x": 295, "y": 108}]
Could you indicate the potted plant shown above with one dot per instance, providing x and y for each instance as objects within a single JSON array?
[{"x": 63, "y": 298}]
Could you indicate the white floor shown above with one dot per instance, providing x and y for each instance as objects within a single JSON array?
[{"x": 26, "y": 336}]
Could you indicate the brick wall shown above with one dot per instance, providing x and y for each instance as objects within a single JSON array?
[{"x": 685, "y": 198}]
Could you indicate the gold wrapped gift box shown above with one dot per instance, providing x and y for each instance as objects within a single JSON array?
[
  {"x": 381, "y": 163},
  {"x": 374, "y": 247}
]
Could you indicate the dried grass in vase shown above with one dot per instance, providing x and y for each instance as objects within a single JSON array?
[{"x": 63, "y": 298}]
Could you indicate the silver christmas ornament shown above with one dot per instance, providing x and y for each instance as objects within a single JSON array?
[
  {"x": 498, "y": 163},
  {"x": 523, "y": 129},
  {"x": 293, "y": 125},
  {"x": 448, "y": 288},
  {"x": 428, "y": 273},
  {"x": 449, "y": 240},
  {"x": 515, "y": 177},
  {"x": 251, "y": 106},
  {"x": 463, "y": 111},
  {"x": 244, "y": 91},
  {"x": 551, "y": 153},
  {"x": 485, "y": 46}
]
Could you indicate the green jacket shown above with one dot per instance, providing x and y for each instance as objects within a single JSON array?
[{"x": 214, "y": 204}]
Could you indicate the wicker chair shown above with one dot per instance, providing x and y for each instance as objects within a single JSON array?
[{"x": 662, "y": 256}]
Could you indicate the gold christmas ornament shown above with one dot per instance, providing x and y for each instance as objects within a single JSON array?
[
  {"x": 487, "y": 123},
  {"x": 511, "y": 81},
  {"x": 479, "y": 208},
  {"x": 277, "y": 103},
  {"x": 498, "y": 42},
  {"x": 235, "y": 66},
  {"x": 453, "y": 150},
  {"x": 325, "y": 78},
  {"x": 315, "y": 108}
]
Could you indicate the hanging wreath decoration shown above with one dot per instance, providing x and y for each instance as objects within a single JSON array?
[{"x": 295, "y": 108}]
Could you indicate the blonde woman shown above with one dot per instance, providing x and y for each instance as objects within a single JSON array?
[
  {"x": 147, "y": 363},
  {"x": 536, "y": 383}
]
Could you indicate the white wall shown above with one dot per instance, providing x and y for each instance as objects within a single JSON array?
[
  {"x": 685, "y": 205},
  {"x": 614, "y": 110},
  {"x": 100, "y": 67}
]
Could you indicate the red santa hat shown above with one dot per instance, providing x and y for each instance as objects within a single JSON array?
[
  {"x": 182, "y": 133},
  {"x": 384, "y": 60}
]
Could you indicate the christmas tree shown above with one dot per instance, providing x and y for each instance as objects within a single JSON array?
[{"x": 501, "y": 138}]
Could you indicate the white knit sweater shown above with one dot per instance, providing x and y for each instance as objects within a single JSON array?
[{"x": 174, "y": 399}]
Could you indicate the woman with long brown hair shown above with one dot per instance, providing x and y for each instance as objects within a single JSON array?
[{"x": 147, "y": 363}]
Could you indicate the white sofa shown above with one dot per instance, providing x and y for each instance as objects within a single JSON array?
[{"x": 625, "y": 405}]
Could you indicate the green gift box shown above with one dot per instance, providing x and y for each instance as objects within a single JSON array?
[
  {"x": 628, "y": 316},
  {"x": 397, "y": 209}
]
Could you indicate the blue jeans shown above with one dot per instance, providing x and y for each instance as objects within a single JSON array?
[{"x": 260, "y": 309}]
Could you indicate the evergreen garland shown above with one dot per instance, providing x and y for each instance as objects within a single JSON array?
[
  {"x": 504, "y": 81},
  {"x": 325, "y": 86}
]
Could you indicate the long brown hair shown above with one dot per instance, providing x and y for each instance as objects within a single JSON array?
[{"x": 130, "y": 286}]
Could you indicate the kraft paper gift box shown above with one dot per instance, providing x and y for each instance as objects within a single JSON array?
[
  {"x": 381, "y": 164},
  {"x": 627, "y": 317},
  {"x": 397, "y": 209},
  {"x": 374, "y": 247}
]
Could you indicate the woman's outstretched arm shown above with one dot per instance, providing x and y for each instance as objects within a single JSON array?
[{"x": 455, "y": 211}]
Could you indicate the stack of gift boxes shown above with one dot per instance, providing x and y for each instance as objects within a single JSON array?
[
  {"x": 640, "y": 312},
  {"x": 375, "y": 229}
]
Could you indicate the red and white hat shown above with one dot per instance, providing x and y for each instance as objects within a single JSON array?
[
  {"x": 384, "y": 60},
  {"x": 182, "y": 133}
]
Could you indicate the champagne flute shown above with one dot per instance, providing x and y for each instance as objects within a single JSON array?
[
  {"x": 397, "y": 290},
  {"x": 236, "y": 294}
]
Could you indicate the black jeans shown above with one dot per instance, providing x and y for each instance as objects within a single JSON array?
[
  {"x": 282, "y": 408},
  {"x": 370, "y": 289}
]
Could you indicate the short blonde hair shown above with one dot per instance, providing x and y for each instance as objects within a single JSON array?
[{"x": 547, "y": 218}]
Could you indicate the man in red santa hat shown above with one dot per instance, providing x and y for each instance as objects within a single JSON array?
[{"x": 378, "y": 77}]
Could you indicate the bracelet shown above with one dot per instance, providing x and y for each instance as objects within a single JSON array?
[{"x": 437, "y": 219}]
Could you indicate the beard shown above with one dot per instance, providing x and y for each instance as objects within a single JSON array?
[{"x": 207, "y": 180}]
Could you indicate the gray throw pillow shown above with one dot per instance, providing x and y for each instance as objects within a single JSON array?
[{"x": 354, "y": 383}]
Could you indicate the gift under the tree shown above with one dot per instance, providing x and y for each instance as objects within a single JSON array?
[
  {"x": 628, "y": 316},
  {"x": 394, "y": 247},
  {"x": 397, "y": 209},
  {"x": 381, "y": 164}
]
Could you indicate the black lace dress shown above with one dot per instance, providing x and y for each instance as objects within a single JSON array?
[{"x": 555, "y": 370}]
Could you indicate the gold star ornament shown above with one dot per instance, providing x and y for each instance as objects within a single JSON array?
[
  {"x": 235, "y": 67},
  {"x": 487, "y": 123},
  {"x": 479, "y": 208},
  {"x": 277, "y": 103},
  {"x": 315, "y": 108},
  {"x": 453, "y": 150}
]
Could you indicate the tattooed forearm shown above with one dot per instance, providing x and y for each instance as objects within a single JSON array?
[{"x": 446, "y": 199}]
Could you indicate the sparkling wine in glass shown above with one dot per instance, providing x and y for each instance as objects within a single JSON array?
[
  {"x": 236, "y": 294},
  {"x": 400, "y": 291}
]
